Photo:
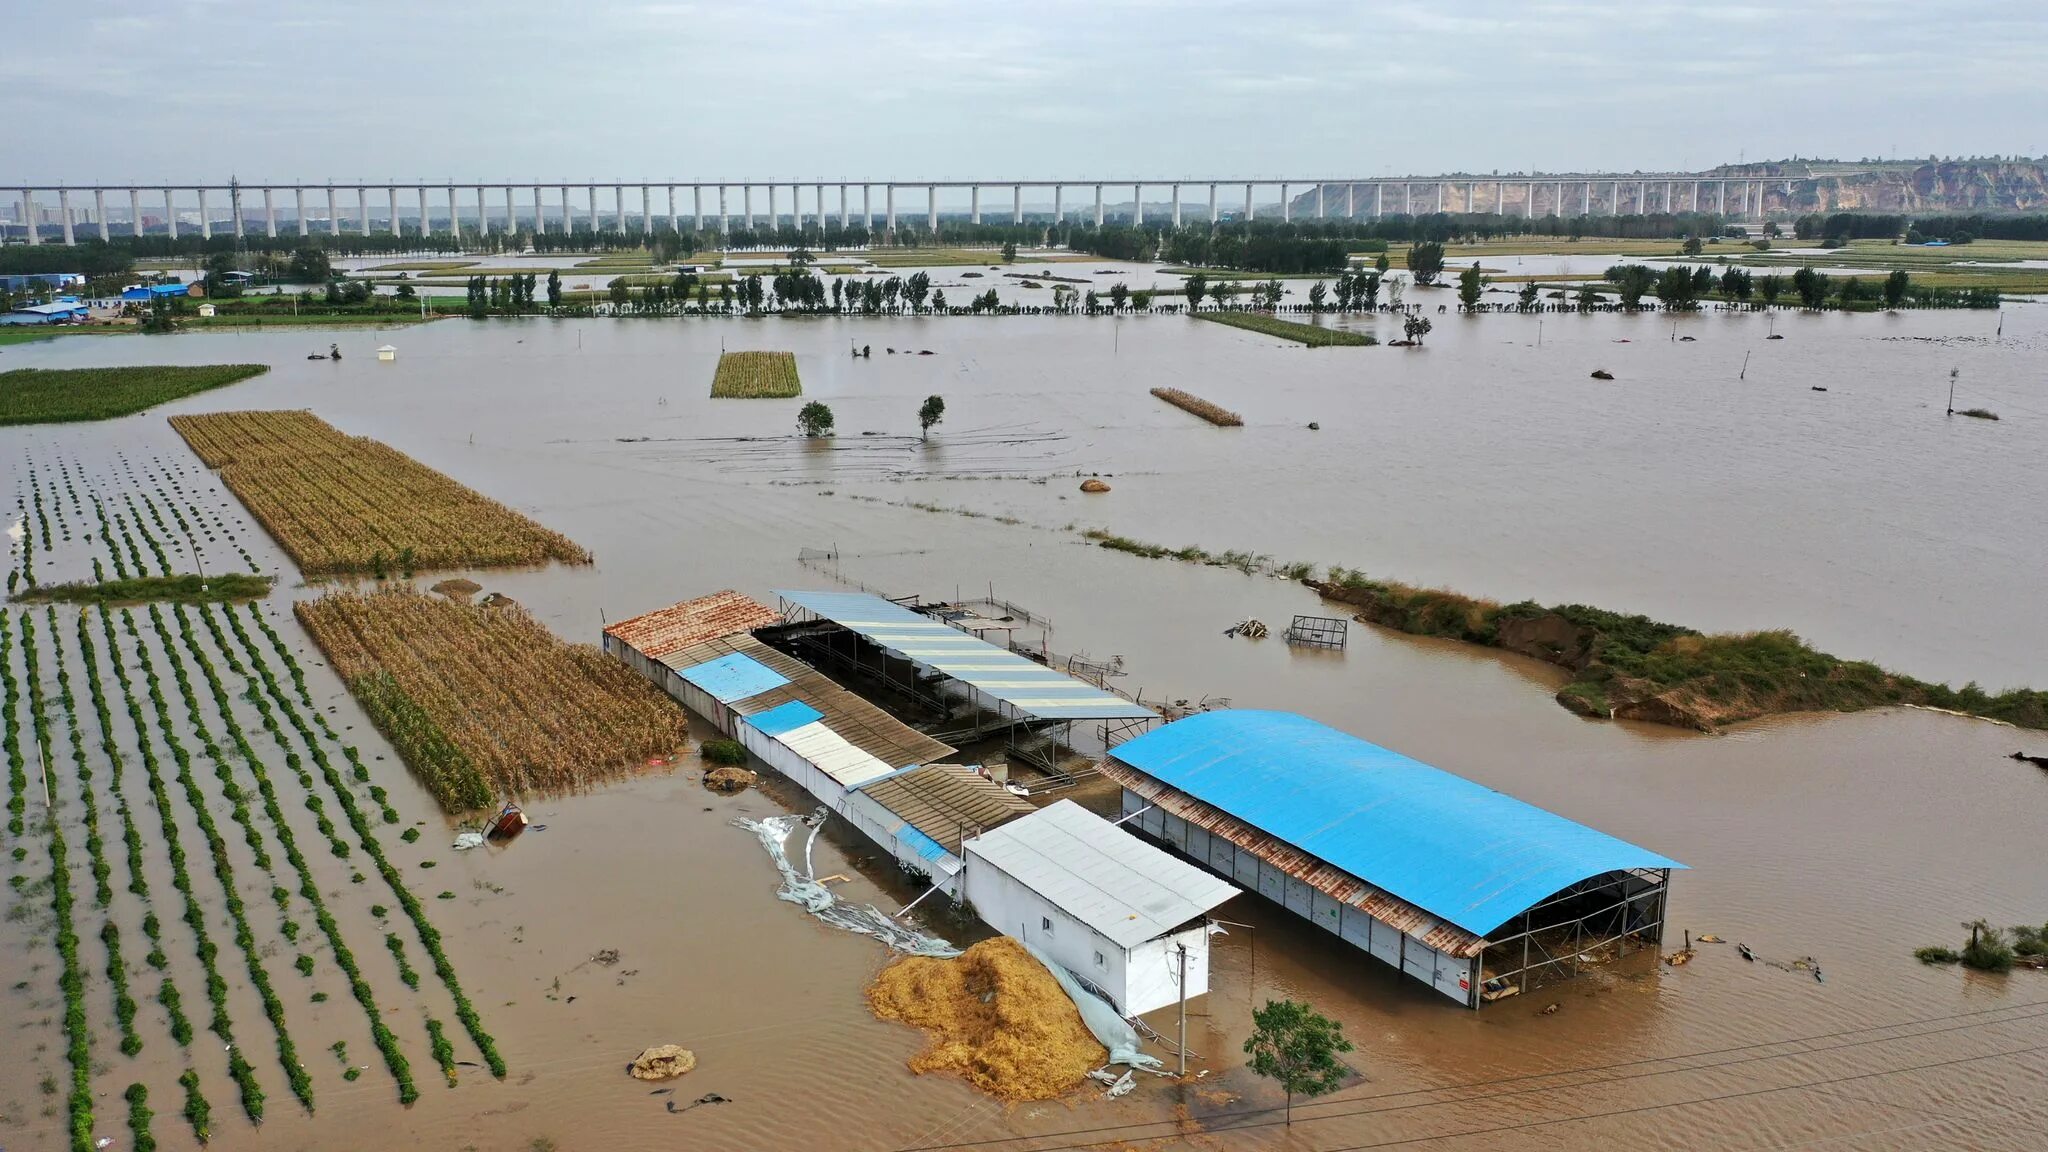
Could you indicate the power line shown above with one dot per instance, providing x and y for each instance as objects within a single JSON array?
[
  {"x": 1717, "y": 1098},
  {"x": 1529, "y": 1076}
]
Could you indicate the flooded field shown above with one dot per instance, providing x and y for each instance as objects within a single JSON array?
[{"x": 1708, "y": 484}]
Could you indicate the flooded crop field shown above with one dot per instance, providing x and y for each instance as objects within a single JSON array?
[{"x": 1720, "y": 480}]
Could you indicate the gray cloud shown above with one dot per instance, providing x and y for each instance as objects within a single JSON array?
[{"x": 518, "y": 89}]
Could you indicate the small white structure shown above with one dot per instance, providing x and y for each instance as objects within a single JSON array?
[
  {"x": 1110, "y": 908},
  {"x": 387, "y": 352},
  {"x": 206, "y": 309}
]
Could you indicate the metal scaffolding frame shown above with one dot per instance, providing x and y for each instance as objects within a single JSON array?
[{"x": 1591, "y": 904}]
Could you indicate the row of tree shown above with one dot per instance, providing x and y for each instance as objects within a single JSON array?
[{"x": 1952, "y": 228}]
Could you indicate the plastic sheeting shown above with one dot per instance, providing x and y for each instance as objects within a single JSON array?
[
  {"x": 799, "y": 887},
  {"x": 1109, "y": 1027}
]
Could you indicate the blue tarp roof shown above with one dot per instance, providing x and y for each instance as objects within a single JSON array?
[
  {"x": 1454, "y": 848},
  {"x": 784, "y": 718},
  {"x": 733, "y": 677},
  {"x": 1030, "y": 687}
]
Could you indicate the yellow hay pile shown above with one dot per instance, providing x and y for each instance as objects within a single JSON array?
[{"x": 996, "y": 1017}]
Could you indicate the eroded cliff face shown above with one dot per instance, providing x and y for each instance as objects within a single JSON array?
[
  {"x": 1789, "y": 188},
  {"x": 1961, "y": 186}
]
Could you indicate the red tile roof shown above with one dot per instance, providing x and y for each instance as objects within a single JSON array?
[{"x": 656, "y": 634}]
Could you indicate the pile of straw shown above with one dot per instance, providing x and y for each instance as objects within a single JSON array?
[{"x": 996, "y": 1017}]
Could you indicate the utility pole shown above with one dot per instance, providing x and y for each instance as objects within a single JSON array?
[
  {"x": 1952, "y": 389},
  {"x": 1183, "y": 1010}
]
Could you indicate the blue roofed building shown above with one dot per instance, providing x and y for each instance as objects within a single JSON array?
[{"x": 1469, "y": 890}]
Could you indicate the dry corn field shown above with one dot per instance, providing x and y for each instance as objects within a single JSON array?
[
  {"x": 1187, "y": 402},
  {"x": 756, "y": 376},
  {"x": 341, "y": 503},
  {"x": 485, "y": 702}
]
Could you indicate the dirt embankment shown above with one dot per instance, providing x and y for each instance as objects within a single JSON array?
[
  {"x": 994, "y": 1016},
  {"x": 1633, "y": 668}
]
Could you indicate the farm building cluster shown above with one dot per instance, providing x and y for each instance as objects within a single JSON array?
[{"x": 954, "y": 755}]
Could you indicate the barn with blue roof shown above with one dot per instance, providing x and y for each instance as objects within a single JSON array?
[{"x": 1469, "y": 890}]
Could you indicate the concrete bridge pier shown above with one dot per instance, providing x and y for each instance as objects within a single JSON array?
[
  {"x": 64, "y": 213},
  {"x": 1286, "y": 207},
  {"x": 1215, "y": 208},
  {"x": 135, "y": 210},
  {"x": 1248, "y": 209},
  {"x": 889, "y": 208},
  {"x": 269, "y": 214},
  {"x": 99, "y": 211},
  {"x": 697, "y": 207},
  {"x": 724, "y": 217},
  {"x": 362, "y": 211},
  {"x": 1137, "y": 205},
  {"x": 747, "y": 204},
  {"x": 1176, "y": 205},
  {"x": 205, "y": 218},
  {"x": 1320, "y": 205},
  {"x": 170, "y": 217},
  {"x": 1586, "y": 198},
  {"x": 774, "y": 211},
  {"x": 1059, "y": 212},
  {"x": 1016, "y": 204},
  {"x": 1379, "y": 201},
  {"x": 298, "y": 199},
  {"x": 931, "y": 206},
  {"x": 974, "y": 204},
  {"x": 1098, "y": 205},
  {"x": 646, "y": 213},
  {"x": 28, "y": 213}
]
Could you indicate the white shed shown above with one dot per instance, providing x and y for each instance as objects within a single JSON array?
[{"x": 1110, "y": 908}]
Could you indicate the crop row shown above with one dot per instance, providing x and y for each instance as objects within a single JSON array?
[
  {"x": 167, "y": 991},
  {"x": 110, "y": 933},
  {"x": 99, "y": 509},
  {"x": 429, "y": 936},
  {"x": 10, "y": 733},
  {"x": 387, "y": 1043},
  {"x": 71, "y": 978},
  {"x": 756, "y": 376},
  {"x": 338, "y": 503},
  {"x": 59, "y": 395},
  {"x": 216, "y": 988}
]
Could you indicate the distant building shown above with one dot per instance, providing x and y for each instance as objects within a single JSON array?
[
  {"x": 32, "y": 281},
  {"x": 61, "y": 312},
  {"x": 145, "y": 292}
]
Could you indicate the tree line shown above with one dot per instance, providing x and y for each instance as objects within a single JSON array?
[{"x": 1953, "y": 228}]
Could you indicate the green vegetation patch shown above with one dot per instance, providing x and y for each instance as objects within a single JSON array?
[
  {"x": 185, "y": 589},
  {"x": 1312, "y": 335},
  {"x": 63, "y": 395},
  {"x": 756, "y": 376}
]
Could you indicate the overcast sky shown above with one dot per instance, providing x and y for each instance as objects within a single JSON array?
[{"x": 797, "y": 89}]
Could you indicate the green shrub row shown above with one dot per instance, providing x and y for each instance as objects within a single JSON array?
[
  {"x": 95, "y": 847},
  {"x": 131, "y": 840},
  {"x": 10, "y": 732},
  {"x": 387, "y": 1043},
  {"x": 216, "y": 988},
  {"x": 110, "y": 933},
  {"x": 444, "y": 1052},
  {"x": 405, "y": 970},
  {"x": 128, "y": 538},
  {"x": 77, "y": 1032},
  {"x": 156, "y": 548},
  {"x": 167, "y": 992},
  {"x": 139, "y": 1117},
  {"x": 429, "y": 937},
  {"x": 197, "y": 1112},
  {"x": 99, "y": 509}
]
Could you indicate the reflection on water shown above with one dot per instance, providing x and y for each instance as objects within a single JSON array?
[{"x": 1707, "y": 484}]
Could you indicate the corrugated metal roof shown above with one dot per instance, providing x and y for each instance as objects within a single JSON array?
[
  {"x": 1331, "y": 881},
  {"x": 733, "y": 677},
  {"x": 1099, "y": 874},
  {"x": 832, "y": 755},
  {"x": 776, "y": 721},
  {"x": 881, "y": 735},
  {"x": 656, "y": 634},
  {"x": 741, "y": 642},
  {"x": 945, "y": 801},
  {"x": 1453, "y": 848},
  {"x": 1030, "y": 687}
]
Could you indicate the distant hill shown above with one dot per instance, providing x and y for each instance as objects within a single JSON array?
[{"x": 1798, "y": 187}]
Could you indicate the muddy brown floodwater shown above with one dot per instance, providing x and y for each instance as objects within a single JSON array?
[{"x": 1860, "y": 517}]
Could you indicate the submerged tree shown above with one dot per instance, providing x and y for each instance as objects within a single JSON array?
[
  {"x": 1297, "y": 1046},
  {"x": 931, "y": 412},
  {"x": 1416, "y": 327},
  {"x": 1196, "y": 287},
  {"x": 554, "y": 288},
  {"x": 1426, "y": 262},
  {"x": 814, "y": 420},
  {"x": 1470, "y": 285}
]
